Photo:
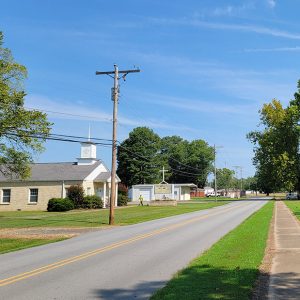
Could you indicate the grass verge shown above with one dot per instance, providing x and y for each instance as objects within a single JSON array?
[
  {"x": 94, "y": 218},
  {"x": 8, "y": 245},
  {"x": 227, "y": 270},
  {"x": 294, "y": 206}
]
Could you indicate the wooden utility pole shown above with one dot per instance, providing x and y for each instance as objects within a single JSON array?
[{"x": 115, "y": 94}]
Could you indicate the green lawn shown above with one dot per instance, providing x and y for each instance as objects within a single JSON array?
[
  {"x": 93, "y": 218},
  {"x": 8, "y": 245},
  {"x": 294, "y": 206},
  {"x": 229, "y": 268}
]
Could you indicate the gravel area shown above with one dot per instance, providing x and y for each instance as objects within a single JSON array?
[{"x": 46, "y": 232}]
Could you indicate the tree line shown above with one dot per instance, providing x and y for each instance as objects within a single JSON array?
[{"x": 143, "y": 154}]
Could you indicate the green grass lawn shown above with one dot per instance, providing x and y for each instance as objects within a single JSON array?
[
  {"x": 229, "y": 268},
  {"x": 93, "y": 218},
  {"x": 294, "y": 206},
  {"x": 8, "y": 245}
]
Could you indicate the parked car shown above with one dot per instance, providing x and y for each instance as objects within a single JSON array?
[
  {"x": 212, "y": 194},
  {"x": 292, "y": 196}
]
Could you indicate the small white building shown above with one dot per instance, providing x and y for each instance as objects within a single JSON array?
[{"x": 163, "y": 191}]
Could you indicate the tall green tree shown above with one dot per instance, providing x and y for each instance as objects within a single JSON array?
[
  {"x": 190, "y": 162},
  {"x": 18, "y": 126},
  {"x": 138, "y": 157},
  {"x": 225, "y": 178},
  {"x": 276, "y": 147},
  {"x": 168, "y": 146}
]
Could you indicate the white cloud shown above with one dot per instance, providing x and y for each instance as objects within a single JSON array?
[
  {"x": 271, "y": 3},
  {"x": 282, "y": 49},
  {"x": 197, "y": 105},
  {"x": 58, "y": 109},
  {"x": 227, "y": 26},
  {"x": 254, "y": 85},
  {"x": 231, "y": 10}
]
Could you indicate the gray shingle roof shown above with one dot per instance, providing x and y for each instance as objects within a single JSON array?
[
  {"x": 57, "y": 172},
  {"x": 103, "y": 176}
]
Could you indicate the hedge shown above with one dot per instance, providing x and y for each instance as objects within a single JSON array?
[{"x": 60, "y": 204}]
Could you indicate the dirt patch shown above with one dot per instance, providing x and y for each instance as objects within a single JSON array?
[
  {"x": 45, "y": 232},
  {"x": 261, "y": 287}
]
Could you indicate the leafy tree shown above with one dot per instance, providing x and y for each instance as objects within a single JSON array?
[
  {"x": 250, "y": 183},
  {"x": 18, "y": 126},
  {"x": 76, "y": 194},
  {"x": 225, "y": 178},
  {"x": 191, "y": 162},
  {"x": 276, "y": 147},
  {"x": 143, "y": 154},
  {"x": 168, "y": 147},
  {"x": 138, "y": 157}
]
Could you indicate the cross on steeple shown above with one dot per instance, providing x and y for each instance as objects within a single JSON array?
[{"x": 163, "y": 173}]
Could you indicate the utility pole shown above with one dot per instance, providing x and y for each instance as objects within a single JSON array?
[
  {"x": 115, "y": 94},
  {"x": 215, "y": 156},
  {"x": 241, "y": 180}
]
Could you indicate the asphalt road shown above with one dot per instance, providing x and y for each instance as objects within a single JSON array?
[{"x": 129, "y": 262}]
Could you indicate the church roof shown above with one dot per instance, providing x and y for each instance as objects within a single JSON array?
[
  {"x": 56, "y": 172},
  {"x": 104, "y": 176}
]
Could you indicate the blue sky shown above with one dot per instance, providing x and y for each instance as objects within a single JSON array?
[{"x": 207, "y": 67}]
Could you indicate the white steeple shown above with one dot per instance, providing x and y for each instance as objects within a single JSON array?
[{"x": 88, "y": 153}]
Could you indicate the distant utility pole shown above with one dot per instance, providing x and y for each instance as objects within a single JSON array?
[
  {"x": 215, "y": 156},
  {"x": 115, "y": 94},
  {"x": 241, "y": 175}
]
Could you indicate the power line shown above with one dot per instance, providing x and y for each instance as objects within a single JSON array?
[
  {"x": 148, "y": 159},
  {"x": 68, "y": 114},
  {"x": 63, "y": 138}
]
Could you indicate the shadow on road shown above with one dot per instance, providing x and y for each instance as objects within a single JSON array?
[
  {"x": 203, "y": 282},
  {"x": 141, "y": 291},
  {"x": 236, "y": 284}
]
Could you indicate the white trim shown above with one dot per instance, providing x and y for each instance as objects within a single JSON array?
[
  {"x": 37, "y": 200},
  {"x": 1, "y": 201},
  {"x": 97, "y": 171}
]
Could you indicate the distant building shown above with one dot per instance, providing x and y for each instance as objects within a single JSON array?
[
  {"x": 149, "y": 192},
  {"x": 52, "y": 180}
]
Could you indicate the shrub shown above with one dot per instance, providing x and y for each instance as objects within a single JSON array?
[
  {"x": 92, "y": 202},
  {"x": 121, "y": 192},
  {"x": 76, "y": 194},
  {"x": 122, "y": 200},
  {"x": 60, "y": 204}
]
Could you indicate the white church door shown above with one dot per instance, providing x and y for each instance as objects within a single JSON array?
[{"x": 99, "y": 192}]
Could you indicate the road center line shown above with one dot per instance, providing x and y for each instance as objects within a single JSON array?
[{"x": 73, "y": 259}]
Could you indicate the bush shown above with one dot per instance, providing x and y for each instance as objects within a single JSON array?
[
  {"x": 76, "y": 194},
  {"x": 60, "y": 204},
  {"x": 92, "y": 202},
  {"x": 122, "y": 200}
]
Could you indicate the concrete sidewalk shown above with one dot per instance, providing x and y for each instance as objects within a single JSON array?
[{"x": 285, "y": 271}]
